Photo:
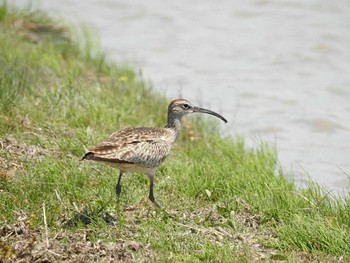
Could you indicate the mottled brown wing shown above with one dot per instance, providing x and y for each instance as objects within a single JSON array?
[{"x": 149, "y": 146}]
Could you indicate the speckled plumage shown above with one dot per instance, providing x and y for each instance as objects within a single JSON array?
[
  {"x": 143, "y": 149},
  {"x": 141, "y": 146}
]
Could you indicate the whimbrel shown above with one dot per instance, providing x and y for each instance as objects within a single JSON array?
[{"x": 141, "y": 149}]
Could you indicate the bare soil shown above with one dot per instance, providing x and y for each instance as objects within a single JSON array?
[{"x": 21, "y": 243}]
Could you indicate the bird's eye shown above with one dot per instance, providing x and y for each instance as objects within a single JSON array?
[{"x": 186, "y": 106}]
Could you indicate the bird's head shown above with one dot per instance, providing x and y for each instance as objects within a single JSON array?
[{"x": 181, "y": 107}]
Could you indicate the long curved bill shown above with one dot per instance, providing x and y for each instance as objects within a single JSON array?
[{"x": 198, "y": 109}]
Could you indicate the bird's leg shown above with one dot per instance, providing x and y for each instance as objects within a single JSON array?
[
  {"x": 151, "y": 197},
  {"x": 118, "y": 187}
]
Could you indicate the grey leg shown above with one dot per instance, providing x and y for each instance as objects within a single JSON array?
[
  {"x": 151, "y": 197},
  {"x": 118, "y": 187}
]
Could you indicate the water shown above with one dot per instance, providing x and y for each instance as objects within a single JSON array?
[{"x": 279, "y": 71}]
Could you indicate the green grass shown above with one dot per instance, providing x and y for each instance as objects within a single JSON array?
[{"x": 59, "y": 96}]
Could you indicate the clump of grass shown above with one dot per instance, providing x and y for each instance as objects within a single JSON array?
[
  {"x": 230, "y": 202},
  {"x": 13, "y": 81},
  {"x": 3, "y": 9},
  {"x": 314, "y": 233}
]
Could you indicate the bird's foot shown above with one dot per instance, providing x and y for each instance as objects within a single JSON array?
[{"x": 159, "y": 207}]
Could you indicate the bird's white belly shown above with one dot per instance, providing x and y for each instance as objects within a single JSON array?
[{"x": 134, "y": 168}]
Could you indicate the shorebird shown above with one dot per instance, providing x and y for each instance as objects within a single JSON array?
[{"x": 142, "y": 149}]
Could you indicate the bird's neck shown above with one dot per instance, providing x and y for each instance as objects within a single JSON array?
[{"x": 175, "y": 125}]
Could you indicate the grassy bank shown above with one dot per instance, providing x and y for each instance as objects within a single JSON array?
[{"x": 58, "y": 96}]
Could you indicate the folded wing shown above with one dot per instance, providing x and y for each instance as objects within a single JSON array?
[{"x": 147, "y": 146}]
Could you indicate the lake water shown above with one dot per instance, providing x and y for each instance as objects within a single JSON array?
[{"x": 279, "y": 71}]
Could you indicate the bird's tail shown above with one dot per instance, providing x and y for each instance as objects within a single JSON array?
[{"x": 87, "y": 156}]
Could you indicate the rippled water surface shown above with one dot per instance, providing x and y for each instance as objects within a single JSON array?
[{"x": 279, "y": 71}]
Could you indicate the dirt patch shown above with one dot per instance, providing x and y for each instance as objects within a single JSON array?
[
  {"x": 5, "y": 172},
  {"x": 36, "y": 33},
  {"x": 22, "y": 151},
  {"x": 239, "y": 229},
  {"x": 21, "y": 243},
  {"x": 13, "y": 153}
]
